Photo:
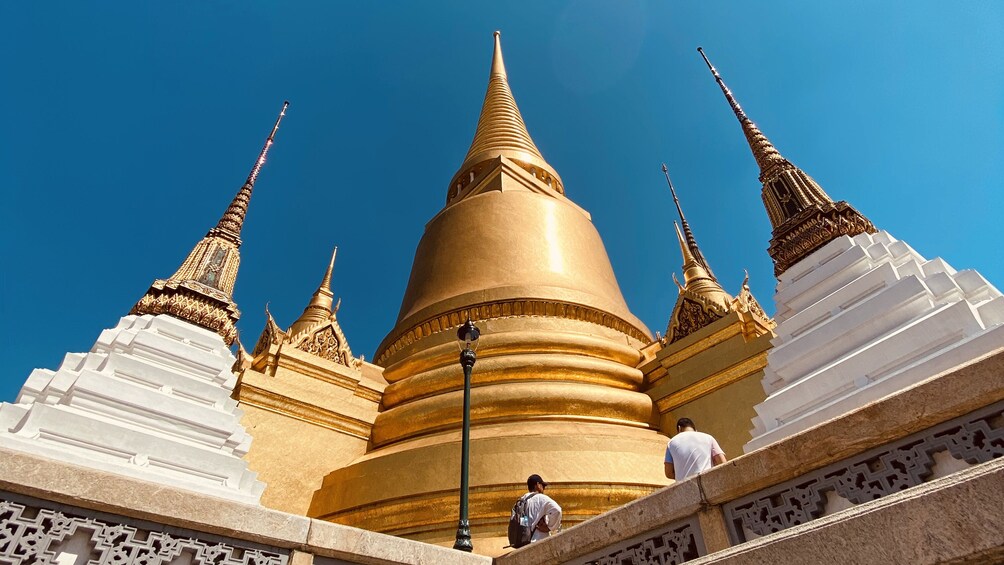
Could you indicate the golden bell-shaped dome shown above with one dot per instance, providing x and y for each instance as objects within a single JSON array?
[{"x": 556, "y": 377}]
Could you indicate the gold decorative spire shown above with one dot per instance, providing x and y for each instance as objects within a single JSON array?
[
  {"x": 316, "y": 331},
  {"x": 803, "y": 216},
  {"x": 319, "y": 310},
  {"x": 691, "y": 241},
  {"x": 229, "y": 226},
  {"x": 501, "y": 132},
  {"x": 697, "y": 279},
  {"x": 702, "y": 300},
  {"x": 201, "y": 290},
  {"x": 766, "y": 155}
]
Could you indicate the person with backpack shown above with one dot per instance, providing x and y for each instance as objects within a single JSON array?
[{"x": 534, "y": 516}]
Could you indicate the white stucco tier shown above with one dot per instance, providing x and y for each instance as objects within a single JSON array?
[
  {"x": 151, "y": 400},
  {"x": 864, "y": 317}
]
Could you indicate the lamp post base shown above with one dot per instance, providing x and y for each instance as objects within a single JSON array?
[{"x": 463, "y": 542}]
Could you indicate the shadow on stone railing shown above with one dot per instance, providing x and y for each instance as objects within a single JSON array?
[{"x": 940, "y": 426}]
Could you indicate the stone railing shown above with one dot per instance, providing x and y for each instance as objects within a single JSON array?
[
  {"x": 916, "y": 477},
  {"x": 61, "y": 514}
]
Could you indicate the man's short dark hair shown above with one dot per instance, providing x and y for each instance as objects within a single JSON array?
[
  {"x": 531, "y": 482},
  {"x": 685, "y": 423}
]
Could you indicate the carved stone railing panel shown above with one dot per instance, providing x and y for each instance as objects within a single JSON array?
[
  {"x": 975, "y": 438},
  {"x": 33, "y": 532},
  {"x": 672, "y": 544}
]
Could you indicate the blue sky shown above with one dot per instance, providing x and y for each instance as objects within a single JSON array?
[{"x": 129, "y": 126}]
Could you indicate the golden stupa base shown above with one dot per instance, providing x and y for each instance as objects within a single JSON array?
[{"x": 411, "y": 489}]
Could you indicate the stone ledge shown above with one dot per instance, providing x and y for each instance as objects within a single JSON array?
[
  {"x": 88, "y": 489},
  {"x": 954, "y": 519},
  {"x": 361, "y": 546}
]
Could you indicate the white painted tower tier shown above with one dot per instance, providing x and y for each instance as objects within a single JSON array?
[
  {"x": 861, "y": 318},
  {"x": 150, "y": 400}
]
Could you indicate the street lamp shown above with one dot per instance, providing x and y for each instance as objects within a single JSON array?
[{"x": 467, "y": 340}]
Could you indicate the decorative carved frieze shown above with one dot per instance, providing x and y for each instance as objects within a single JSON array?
[
  {"x": 31, "y": 533},
  {"x": 813, "y": 228},
  {"x": 975, "y": 438},
  {"x": 193, "y": 302},
  {"x": 690, "y": 317},
  {"x": 508, "y": 309},
  {"x": 675, "y": 543}
]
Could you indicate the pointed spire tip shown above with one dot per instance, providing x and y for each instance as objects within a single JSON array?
[{"x": 498, "y": 65}]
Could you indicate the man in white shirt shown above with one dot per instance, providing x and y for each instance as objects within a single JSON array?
[
  {"x": 691, "y": 451},
  {"x": 542, "y": 509}
]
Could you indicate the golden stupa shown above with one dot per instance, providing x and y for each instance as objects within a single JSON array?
[
  {"x": 555, "y": 390},
  {"x": 568, "y": 382}
]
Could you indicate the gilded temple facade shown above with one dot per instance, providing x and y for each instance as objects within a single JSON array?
[{"x": 881, "y": 372}]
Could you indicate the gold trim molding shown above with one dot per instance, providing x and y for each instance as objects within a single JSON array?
[
  {"x": 712, "y": 383},
  {"x": 304, "y": 412},
  {"x": 509, "y": 309}
]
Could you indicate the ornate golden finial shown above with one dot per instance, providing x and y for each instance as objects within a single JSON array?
[
  {"x": 201, "y": 290},
  {"x": 695, "y": 276},
  {"x": 691, "y": 241},
  {"x": 766, "y": 155},
  {"x": 229, "y": 226},
  {"x": 803, "y": 216},
  {"x": 702, "y": 300},
  {"x": 498, "y": 65},
  {"x": 501, "y": 132},
  {"x": 320, "y": 308}
]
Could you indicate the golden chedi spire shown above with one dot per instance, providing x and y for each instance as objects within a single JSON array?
[
  {"x": 501, "y": 132},
  {"x": 803, "y": 216},
  {"x": 201, "y": 290},
  {"x": 691, "y": 241},
  {"x": 702, "y": 300},
  {"x": 316, "y": 331},
  {"x": 557, "y": 375},
  {"x": 319, "y": 309}
]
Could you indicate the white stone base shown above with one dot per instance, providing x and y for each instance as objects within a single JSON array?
[
  {"x": 862, "y": 318},
  {"x": 151, "y": 400}
]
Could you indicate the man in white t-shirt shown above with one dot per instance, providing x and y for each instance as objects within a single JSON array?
[
  {"x": 691, "y": 451},
  {"x": 543, "y": 511}
]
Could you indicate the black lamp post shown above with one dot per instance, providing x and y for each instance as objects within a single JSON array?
[{"x": 467, "y": 340}]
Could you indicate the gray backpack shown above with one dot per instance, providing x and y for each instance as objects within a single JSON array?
[{"x": 520, "y": 528}]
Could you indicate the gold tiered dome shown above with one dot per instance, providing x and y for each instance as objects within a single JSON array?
[{"x": 556, "y": 386}]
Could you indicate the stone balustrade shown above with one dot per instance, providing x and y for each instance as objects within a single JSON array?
[
  {"x": 915, "y": 477},
  {"x": 57, "y": 513}
]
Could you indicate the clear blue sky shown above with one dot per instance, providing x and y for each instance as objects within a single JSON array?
[{"x": 129, "y": 126}]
